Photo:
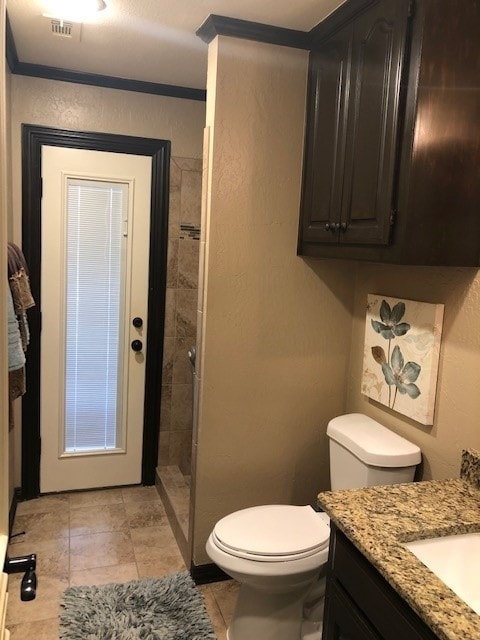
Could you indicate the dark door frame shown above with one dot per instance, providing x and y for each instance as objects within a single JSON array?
[{"x": 33, "y": 138}]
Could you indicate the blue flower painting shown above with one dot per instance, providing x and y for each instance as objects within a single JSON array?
[{"x": 402, "y": 343}]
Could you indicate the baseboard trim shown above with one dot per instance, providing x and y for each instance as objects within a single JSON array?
[{"x": 206, "y": 573}]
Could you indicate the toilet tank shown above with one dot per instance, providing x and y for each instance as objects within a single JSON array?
[{"x": 364, "y": 453}]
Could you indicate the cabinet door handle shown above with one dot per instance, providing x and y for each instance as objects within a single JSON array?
[{"x": 335, "y": 227}]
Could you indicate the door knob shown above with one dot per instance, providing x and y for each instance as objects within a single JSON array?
[
  {"x": 137, "y": 345},
  {"x": 137, "y": 322}
]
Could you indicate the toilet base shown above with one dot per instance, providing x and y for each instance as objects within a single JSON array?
[
  {"x": 311, "y": 631},
  {"x": 269, "y": 616},
  {"x": 308, "y": 633}
]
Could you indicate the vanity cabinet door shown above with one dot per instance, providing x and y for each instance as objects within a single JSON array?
[
  {"x": 342, "y": 620},
  {"x": 359, "y": 601}
]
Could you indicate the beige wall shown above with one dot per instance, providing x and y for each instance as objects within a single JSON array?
[
  {"x": 12, "y": 445},
  {"x": 457, "y": 410},
  {"x": 70, "y": 106},
  {"x": 276, "y": 329},
  {"x": 8, "y": 84},
  {"x": 83, "y": 108},
  {"x": 4, "y": 187}
]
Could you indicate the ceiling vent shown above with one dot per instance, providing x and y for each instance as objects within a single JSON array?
[{"x": 65, "y": 29}]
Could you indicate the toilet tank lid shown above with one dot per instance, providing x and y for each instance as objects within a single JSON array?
[{"x": 371, "y": 442}]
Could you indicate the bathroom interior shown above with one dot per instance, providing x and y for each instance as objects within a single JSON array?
[{"x": 279, "y": 338}]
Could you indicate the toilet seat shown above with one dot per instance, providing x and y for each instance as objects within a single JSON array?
[{"x": 272, "y": 533}]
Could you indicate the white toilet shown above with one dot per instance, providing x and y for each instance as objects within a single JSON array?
[{"x": 276, "y": 552}]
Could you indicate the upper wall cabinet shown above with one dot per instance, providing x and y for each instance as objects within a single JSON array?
[{"x": 392, "y": 150}]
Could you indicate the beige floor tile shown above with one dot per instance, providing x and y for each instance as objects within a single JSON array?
[
  {"x": 169, "y": 564},
  {"x": 42, "y": 630},
  {"x": 95, "y": 498},
  {"x": 151, "y": 544},
  {"x": 116, "y": 535},
  {"x": 145, "y": 514},
  {"x": 100, "y": 550},
  {"x": 98, "y": 519},
  {"x": 225, "y": 594},
  {"x": 42, "y": 526},
  {"x": 52, "y": 555},
  {"x": 213, "y": 611},
  {"x": 104, "y": 575},
  {"x": 45, "y": 606},
  {"x": 44, "y": 504},
  {"x": 140, "y": 494}
]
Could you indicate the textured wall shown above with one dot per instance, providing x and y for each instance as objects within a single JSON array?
[
  {"x": 457, "y": 412},
  {"x": 80, "y": 107},
  {"x": 70, "y": 106},
  {"x": 276, "y": 329},
  {"x": 5, "y": 481},
  {"x": 16, "y": 403}
]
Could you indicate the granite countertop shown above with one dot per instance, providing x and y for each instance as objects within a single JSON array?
[{"x": 379, "y": 519}]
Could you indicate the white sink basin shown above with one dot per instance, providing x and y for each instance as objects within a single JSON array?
[{"x": 456, "y": 561}]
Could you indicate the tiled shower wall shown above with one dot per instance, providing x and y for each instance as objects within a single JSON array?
[{"x": 180, "y": 315}]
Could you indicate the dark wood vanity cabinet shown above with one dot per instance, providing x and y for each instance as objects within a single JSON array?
[
  {"x": 360, "y": 604},
  {"x": 392, "y": 150}
]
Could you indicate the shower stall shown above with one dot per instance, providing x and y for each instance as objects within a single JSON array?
[{"x": 176, "y": 418}]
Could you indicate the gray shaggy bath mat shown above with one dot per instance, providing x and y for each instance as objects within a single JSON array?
[{"x": 169, "y": 608}]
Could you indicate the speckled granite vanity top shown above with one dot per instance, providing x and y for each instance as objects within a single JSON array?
[{"x": 379, "y": 519}]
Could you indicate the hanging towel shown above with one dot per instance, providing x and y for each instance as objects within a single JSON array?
[
  {"x": 16, "y": 388},
  {"x": 16, "y": 259},
  {"x": 20, "y": 288},
  {"x": 16, "y": 356}
]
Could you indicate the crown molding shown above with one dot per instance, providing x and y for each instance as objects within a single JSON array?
[
  {"x": 109, "y": 82},
  {"x": 216, "y": 25},
  {"x": 93, "y": 79}
]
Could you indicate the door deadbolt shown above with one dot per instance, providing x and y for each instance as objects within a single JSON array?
[
  {"x": 137, "y": 322},
  {"x": 137, "y": 345}
]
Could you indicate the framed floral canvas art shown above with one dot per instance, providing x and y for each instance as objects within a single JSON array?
[{"x": 400, "y": 363}]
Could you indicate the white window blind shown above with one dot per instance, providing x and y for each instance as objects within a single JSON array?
[{"x": 95, "y": 248}]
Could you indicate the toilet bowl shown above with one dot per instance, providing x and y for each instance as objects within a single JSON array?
[
  {"x": 278, "y": 553},
  {"x": 275, "y": 552}
]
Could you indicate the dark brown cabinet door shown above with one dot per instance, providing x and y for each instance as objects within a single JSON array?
[
  {"x": 392, "y": 149},
  {"x": 353, "y": 118},
  {"x": 329, "y": 72},
  {"x": 342, "y": 621},
  {"x": 360, "y": 604},
  {"x": 378, "y": 52}
]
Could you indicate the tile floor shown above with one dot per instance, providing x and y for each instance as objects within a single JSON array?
[{"x": 95, "y": 537}]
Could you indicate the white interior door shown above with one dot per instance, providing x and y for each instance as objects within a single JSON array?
[{"x": 94, "y": 280}]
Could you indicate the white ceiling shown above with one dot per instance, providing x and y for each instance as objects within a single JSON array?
[{"x": 150, "y": 40}]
